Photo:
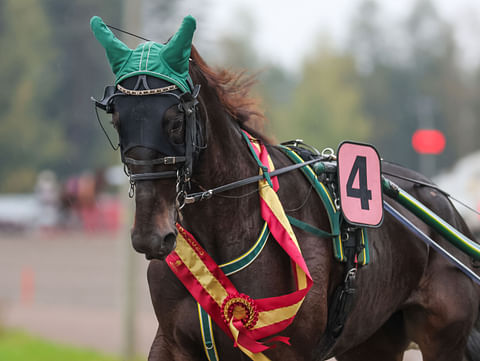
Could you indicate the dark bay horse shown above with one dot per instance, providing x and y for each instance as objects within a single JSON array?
[{"x": 408, "y": 293}]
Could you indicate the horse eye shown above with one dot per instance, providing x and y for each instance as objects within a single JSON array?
[
  {"x": 176, "y": 130},
  {"x": 171, "y": 114},
  {"x": 177, "y": 125},
  {"x": 173, "y": 119}
]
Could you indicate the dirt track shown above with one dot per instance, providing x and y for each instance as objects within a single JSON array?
[{"x": 68, "y": 288}]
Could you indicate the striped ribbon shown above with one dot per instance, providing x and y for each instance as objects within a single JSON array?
[{"x": 245, "y": 320}]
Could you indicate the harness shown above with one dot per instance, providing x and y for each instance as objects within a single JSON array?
[
  {"x": 245, "y": 320},
  {"x": 350, "y": 244},
  {"x": 171, "y": 62}
]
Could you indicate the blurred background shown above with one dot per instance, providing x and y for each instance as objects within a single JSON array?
[{"x": 403, "y": 76}]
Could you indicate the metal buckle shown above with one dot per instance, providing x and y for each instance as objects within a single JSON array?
[
  {"x": 169, "y": 160},
  {"x": 351, "y": 275}
]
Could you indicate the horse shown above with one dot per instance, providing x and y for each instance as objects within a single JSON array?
[{"x": 407, "y": 293}]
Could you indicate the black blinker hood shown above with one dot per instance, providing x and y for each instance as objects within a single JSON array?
[{"x": 141, "y": 124}]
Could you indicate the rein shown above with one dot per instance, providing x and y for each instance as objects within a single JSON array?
[{"x": 200, "y": 196}]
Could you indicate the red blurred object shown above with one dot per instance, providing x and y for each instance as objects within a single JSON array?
[
  {"x": 428, "y": 141},
  {"x": 27, "y": 286},
  {"x": 478, "y": 209}
]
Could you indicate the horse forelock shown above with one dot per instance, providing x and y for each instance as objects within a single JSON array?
[{"x": 233, "y": 90}]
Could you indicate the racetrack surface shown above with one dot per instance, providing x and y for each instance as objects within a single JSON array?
[{"x": 67, "y": 287}]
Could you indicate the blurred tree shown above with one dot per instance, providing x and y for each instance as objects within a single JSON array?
[
  {"x": 384, "y": 82},
  {"x": 367, "y": 41},
  {"x": 236, "y": 46},
  {"x": 412, "y": 79},
  {"x": 320, "y": 107},
  {"x": 84, "y": 72},
  {"x": 439, "y": 87},
  {"x": 236, "y": 52},
  {"x": 163, "y": 17},
  {"x": 275, "y": 87},
  {"x": 52, "y": 64},
  {"x": 327, "y": 105},
  {"x": 30, "y": 139}
]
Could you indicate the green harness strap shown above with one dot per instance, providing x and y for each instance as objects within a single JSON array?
[
  {"x": 334, "y": 214},
  {"x": 324, "y": 194},
  {"x": 264, "y": 168},
  {"x": 229, "y": 268},
  {"x": 309, "y": 228},
  {"x": 207, "y": 334}
]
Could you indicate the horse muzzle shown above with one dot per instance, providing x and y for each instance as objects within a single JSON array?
[{"x": 155, "y": 245}]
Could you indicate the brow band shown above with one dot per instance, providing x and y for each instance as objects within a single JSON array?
[{"x": 147, "y": 91}]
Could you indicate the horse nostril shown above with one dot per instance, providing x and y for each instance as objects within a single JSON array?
[
  {"x": 154, "y": 245},
  {"x": 169, "y": 242},
  {"x": 162, "y": 246}
]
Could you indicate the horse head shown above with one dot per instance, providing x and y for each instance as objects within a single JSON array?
[
  {"x": 154, "y": 109},
  {"x": 158, "y": 150}
]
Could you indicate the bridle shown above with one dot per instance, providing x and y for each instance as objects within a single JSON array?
[{"x": 194, "y": 140}]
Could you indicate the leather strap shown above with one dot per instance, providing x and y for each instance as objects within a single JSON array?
[
  {"x": 152, "y": 176},
  {"x": 157, "y": 161},
  {"x": 195, "y": 197}
]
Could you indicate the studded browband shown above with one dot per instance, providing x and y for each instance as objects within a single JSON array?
[{"x": 146, "y": 91}]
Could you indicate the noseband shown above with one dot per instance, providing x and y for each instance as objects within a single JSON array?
[{"x": 194, "y": 140}]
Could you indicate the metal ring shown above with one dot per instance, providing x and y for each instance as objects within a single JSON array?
[
  {"x": 131, "y": 191},
  {"x": 207, "y": 195},
  {"x": 328, "y": 153},
  {"x": 337, "y": 203},
  {"x": 177, "y": 201}
]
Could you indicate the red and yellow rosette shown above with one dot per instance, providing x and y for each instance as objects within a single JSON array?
[{"x": 245, "y": 320}]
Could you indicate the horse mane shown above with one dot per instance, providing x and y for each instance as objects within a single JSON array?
[{"x": 233, "y": 90}]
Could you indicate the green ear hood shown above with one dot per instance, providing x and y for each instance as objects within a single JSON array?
[{"x": 169, "y": 62}]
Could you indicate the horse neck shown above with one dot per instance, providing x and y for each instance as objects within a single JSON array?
[
  {"x": 226, "y": 157},
  {"x": 225, "y": 226}
]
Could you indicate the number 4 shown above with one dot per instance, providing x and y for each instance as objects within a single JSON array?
[{"x": 359, "y": 167}]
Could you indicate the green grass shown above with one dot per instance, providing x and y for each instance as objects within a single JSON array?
[{"x": 20, "y": 346}]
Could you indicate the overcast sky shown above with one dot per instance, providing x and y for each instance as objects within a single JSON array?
[{"x": 285, "y": 29}]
